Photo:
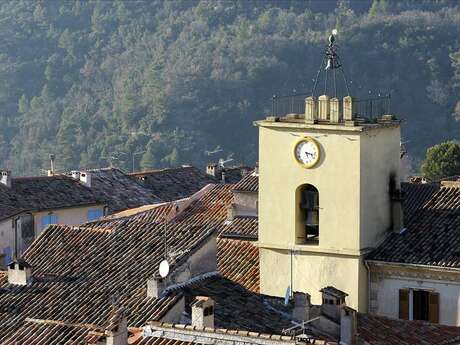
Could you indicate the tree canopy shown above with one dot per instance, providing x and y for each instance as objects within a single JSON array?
[
  {"x": 442, "y": 160},
  {"x": 95, "y": 82}
]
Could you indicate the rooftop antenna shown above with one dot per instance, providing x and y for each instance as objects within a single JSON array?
[
  {"x": 52, "y": 157},
  {"x": 331, "y": 62},
  {"x": 222, "y": 162},
  {"x": 216, "y": 150}
]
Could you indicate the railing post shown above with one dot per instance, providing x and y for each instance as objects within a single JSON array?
[
  {"x": 347, "y": 108},
  {"x": 311, "y": 110},
  {"x": 334, "y": 118},
  {"x": 324, "y": 107}
]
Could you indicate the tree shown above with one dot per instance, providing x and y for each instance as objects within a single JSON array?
[{"x": 442, "y": 160}]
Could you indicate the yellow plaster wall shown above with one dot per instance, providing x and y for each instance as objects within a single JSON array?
[
  {"x": 310, "y": 273},
  {"x": 352, "y": 178}
]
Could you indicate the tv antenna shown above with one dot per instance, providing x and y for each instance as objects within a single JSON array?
[{"x": 216, "y": 150}]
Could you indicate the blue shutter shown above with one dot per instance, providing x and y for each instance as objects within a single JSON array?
[
  {"x": 7, "y": 255},
  {"x": 94, "y": 214},
  {"x": 49, "y": 219}
]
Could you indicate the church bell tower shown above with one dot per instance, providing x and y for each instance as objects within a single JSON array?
[{"x": 328, "y": 176}]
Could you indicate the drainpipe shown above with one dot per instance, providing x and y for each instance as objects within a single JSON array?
[{"x": 368, "y": 285}]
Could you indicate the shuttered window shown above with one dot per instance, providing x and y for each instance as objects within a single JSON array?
[
  {"x": 404, "y": 304},
  {"x": 419, "y": 305},
  {"x": 434, "y": 307}
]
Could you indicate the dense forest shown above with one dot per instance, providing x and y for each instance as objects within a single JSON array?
[{"x": 98, "y": 83}]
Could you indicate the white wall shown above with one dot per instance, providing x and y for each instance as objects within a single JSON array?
[{"x": 385, "y": 295}]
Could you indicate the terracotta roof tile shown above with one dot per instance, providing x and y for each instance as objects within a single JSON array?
[
  {"x": 238, "y": 261},
  {"x": 44, "y": 193},
  {"x": 175, "y": 183},
  {"x": 120, "y": 191},
  {"x": 243, "y": 227},
  {"x": 379, "y": 330},
  {"x": 249, "y": 183},
  {"x": 433, "y": 230}
]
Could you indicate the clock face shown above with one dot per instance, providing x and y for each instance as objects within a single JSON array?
[{"x": 307, "y": 152}]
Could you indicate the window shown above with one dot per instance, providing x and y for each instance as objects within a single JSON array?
[
  {"x": 50, "y": 218},
  {"x": 94, "y": 214},
  {"x": 308, "y": 198},
  {"x": 418, "y": 305}
]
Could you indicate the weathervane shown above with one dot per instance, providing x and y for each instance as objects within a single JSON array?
[{"x": 331, "y": 62}]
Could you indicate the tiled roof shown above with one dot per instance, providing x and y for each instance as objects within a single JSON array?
[
  {"x": 79, "y": 270},
  {"x": 43, "y": 193},
  {"x": 416, "y": 195},
  {"x": 249, "y": 183},
  {"x": 241, "y": 227},
  {"x": 238, "y": 260},
  {"x": 53, "y": 332},
  {"x": 432, "y": 236},
  {"x": 238, "y": 308},
  {"x": 175, "y": 183},
  {"x": 236, "y": 173},
  {"x": 120, "y": 191},
  {"x": 378, "y": 330}
]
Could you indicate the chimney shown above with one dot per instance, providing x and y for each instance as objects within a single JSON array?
[
  {"x": 231, "y": 212},
  {"x": 19, "y": 272},
  {"x": 212, "y": 169},
  {"x": 203, "y": 312},
  {"x": 302, "y": 304},
  {"x": 256, "y": 169},
  {"x": 335, "y": 110},
  {"x": 155, "y": 287},
  {"x": 333, "y": 301},
  {"x": 75, "y": 174},
  {"x": 223, "y": 177},
  {"x": 311, "y": 110},
  {"x": 85, "y": 178},
  {"x": 6, "y": 178},
  {"x": 116, "y": 333},
  {"x": 323, "y": 107},
  {"x": 348, "y": 326},
  {"x": 347, "y": 108}
]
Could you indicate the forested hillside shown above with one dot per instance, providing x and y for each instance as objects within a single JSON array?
[{"x": 96, "y": 81}]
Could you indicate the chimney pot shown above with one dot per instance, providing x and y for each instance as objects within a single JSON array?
[
  {"x": 19, "y": 272},
  {"x": 75, "y": 174},
  {"x": 85, "y": 178},
  {"x": 348, "y": 326},
  {"x": 155, "y": 287},
  {"x": 333, "y": 301},
  {"x": 203, "y": 312},
  {"x": 5, "y": 178},
  {"x": 302, "y": 304}
]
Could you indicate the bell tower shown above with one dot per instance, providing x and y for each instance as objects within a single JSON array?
[{"x": 328, "y": 187}]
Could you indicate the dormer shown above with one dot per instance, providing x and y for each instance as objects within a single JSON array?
[{"x": 19, "y": 272}]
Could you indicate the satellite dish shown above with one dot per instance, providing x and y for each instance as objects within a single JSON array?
[
  {"x": 164, "y": 269},
  {"x": 287, "y": 296}
]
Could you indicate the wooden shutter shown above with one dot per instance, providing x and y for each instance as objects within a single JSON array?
[
  {"x": 433, "y": 308},
  {"x": 404, "y": 304}
]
